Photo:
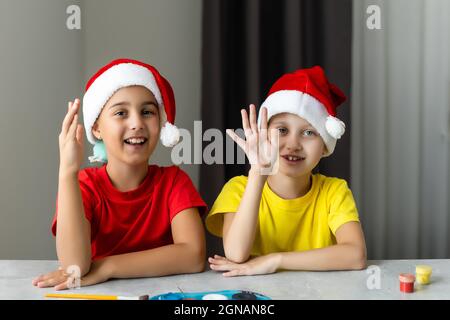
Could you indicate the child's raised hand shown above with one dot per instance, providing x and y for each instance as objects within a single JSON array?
[
  {"x": 261, "y": 151},
  {"x": 71, "y": 140}
]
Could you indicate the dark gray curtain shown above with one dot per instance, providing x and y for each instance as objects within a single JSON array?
[{"x": 247, "y": 45}]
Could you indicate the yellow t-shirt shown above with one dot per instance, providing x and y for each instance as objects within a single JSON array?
[{"x": 304, "y": 223}]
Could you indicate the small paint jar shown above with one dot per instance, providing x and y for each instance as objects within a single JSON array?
[
  {"x": 423, "y": 274},
  {"x": 406, "y": 282}
]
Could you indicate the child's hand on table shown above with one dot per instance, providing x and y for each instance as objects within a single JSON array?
[
  {"x": 61, "y": 280},
  {"x": 260, "y": 148},
  {"x": 258, "y": 265},
  {"x": 71, "y": 140}
]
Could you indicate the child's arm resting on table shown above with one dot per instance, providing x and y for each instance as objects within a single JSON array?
[
  {"x": 348, "y": 254},
  {"x": 185, "y": 255}
]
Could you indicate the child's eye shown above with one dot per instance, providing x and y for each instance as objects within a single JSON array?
[
  {"x": 148, "y": 113},
  {"x": 309, "y": 133},
  {"x": 282, "y": 130},
  {"x": 120, "y": 113}
]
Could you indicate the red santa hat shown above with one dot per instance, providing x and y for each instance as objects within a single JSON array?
[
  {"x": 308, "y": 94},
  {"x": 122, "y": 73}
]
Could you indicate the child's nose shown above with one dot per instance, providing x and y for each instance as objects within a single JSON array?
[
  {"x": 293, "y": 143},
  {"x": 294, "y": 148},
  {"x": 136, "y": 122}
]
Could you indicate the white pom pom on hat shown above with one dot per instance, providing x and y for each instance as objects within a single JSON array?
[
  {"x": 122, "y": 73},
  {"x": 335, "y": 127},
  {"x": 308, "y": 94},
  {"x": 170, "y": 135}
]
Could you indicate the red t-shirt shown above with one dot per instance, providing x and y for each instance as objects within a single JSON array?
[{"x": 136, "y": 220}]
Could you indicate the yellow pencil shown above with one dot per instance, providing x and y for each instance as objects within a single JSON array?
[{"x": 93, "y": 296}]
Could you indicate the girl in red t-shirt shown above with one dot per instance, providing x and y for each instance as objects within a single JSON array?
[{"x": 126, "y": 218}]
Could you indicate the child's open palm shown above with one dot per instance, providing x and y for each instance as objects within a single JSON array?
[
  {"x": 261, "y": 151},
  {"x": 71, "y": 140}
]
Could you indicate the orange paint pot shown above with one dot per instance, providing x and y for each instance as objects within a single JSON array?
[{"x": 407, "y": 282}]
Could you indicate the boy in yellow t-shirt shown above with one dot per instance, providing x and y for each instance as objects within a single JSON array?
[{"x": 282, "y": 216}]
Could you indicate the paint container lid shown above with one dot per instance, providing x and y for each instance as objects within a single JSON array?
[
  {"x": 407, "y": 277},
  {"x": 214, "y": 296},
  {"x": 423, "y": 269}
]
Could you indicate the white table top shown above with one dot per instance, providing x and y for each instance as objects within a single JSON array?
[{"x": 16, "y": 276}]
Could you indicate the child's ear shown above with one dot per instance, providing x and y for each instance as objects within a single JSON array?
[{"x": 96, "y": 131}]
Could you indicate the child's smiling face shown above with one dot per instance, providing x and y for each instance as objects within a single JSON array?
[
  {"x": 301, "y": 147},
  {"x": 129, "y": 125}
]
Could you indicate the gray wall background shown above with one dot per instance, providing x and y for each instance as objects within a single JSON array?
[
  {"x": 400, "y": 128},
  {"x": 43, "y": 65}
]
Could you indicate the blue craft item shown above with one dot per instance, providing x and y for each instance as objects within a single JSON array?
[{"x": 220, "y": 295}]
